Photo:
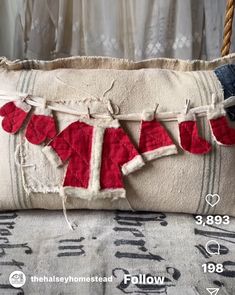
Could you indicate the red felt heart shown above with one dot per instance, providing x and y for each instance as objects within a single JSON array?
[
  {"x": 14, "y": 114},
  {"x": 40, "y": 128}
]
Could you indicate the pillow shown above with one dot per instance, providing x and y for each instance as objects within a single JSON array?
[{"x": 181, "y": 161}]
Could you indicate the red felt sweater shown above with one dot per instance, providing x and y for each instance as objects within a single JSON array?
[{"x": 98, "y": 153}]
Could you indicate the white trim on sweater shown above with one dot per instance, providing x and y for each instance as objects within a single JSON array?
[
  {"x": 52, "y": 156},
  {"x": 133, "y": 165},
  {"x": 96, "y": 158},
  {"x": 85, "y": 193}
]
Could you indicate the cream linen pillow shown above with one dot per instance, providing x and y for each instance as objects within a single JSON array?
[{"x": 177, "y": 183}]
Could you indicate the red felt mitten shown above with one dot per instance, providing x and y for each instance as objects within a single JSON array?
[
  {"x": 41, "y": 126},
  {"x": 190, "y": 140},
  {"x": 14, "y": 113},
  {"x": 154, "y": 141},
  {"x": 222, "y": 132}
]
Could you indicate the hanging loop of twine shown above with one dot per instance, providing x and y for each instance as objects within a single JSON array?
[{"x": 228, "y": 26}]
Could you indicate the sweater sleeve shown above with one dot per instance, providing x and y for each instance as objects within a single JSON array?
[
  {"x": 128, "y": 157},
  {"x": 59, "y": 149}
]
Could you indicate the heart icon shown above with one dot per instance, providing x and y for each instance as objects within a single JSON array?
[
  {"x": 212, "y": 199},
  {"x": 14, "y": 113}
]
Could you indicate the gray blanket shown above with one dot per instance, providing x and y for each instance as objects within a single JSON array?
[{"x": 111, "y": 245}]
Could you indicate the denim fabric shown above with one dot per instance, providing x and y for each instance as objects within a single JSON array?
[{"x": 226, "y": 75}]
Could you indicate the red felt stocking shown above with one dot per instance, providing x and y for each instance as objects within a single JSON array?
[
  {"x": 190, "y": 140},
  {"x": 14, "y": 113},
  {"x": 41, "y": 126},
  {"x": 222, "y": 132},
  {"x": 154, "y": 140}
]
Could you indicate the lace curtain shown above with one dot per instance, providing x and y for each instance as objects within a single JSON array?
[{"x": 134, "y": 29}]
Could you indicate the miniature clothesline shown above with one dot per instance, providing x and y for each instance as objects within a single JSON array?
[
  {"x": 200, "y": 111},
  {"x": 84, "y": 177}
]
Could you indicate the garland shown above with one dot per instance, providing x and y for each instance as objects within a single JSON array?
[
  {"x": 99, "y": 152},
  {"x": 112, "y": 109},
  {"x": 41, "y": 125}
]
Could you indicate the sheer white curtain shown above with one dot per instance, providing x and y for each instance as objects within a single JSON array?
[{"x": 134, "y": 29}]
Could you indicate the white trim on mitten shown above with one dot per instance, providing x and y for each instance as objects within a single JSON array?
[{"x": 22, "y": 105}]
